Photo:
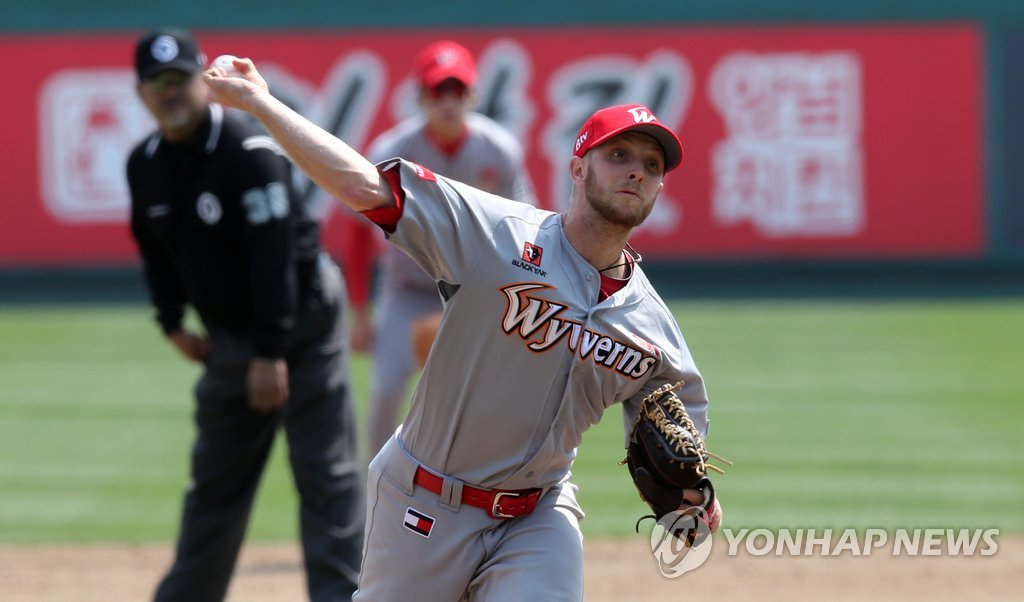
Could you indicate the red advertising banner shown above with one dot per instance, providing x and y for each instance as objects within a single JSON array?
[{"x": 806, "y": 142}]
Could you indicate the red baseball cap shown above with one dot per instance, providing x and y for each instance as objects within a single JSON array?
[
  {"x": 612, "y": 121},
  {"x": 443, "y": 60}
]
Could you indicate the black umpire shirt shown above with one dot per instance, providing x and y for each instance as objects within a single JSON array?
[{"x": 219, "y": 227}]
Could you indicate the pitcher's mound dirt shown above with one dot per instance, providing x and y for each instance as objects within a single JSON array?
[{"x": 621, "y": 570}]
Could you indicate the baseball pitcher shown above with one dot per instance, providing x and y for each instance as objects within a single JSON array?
[{"x": 548, "y": 320}]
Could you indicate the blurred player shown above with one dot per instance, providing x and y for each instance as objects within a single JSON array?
[
  {"x": 450, "y": 139},
  {"x": 219, "y": 229}
]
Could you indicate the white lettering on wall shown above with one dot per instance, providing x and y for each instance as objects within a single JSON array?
[{"x": 792, "y": 162}]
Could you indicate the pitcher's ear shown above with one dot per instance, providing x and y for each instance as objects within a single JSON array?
[{"x": 577, "y": 169}]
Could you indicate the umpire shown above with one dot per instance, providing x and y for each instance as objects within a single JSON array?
[{"x": 220, "y": 229}]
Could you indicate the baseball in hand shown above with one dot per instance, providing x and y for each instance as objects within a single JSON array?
[{"x": 225, "y": 63}]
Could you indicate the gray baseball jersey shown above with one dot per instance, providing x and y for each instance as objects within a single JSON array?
[
  {"x": 490, "y": 159},
  {"x": 526, "y": 359}
]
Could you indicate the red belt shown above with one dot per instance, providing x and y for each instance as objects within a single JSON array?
[{"x": 498, "y": 503}]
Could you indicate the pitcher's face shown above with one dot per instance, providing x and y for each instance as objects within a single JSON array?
[{"x": 624, "y": 177}]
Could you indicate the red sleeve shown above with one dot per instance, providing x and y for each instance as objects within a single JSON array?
[{"x": 387, "y": 216}]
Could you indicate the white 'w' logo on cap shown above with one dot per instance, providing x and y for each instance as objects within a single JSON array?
[{"x": 641, "y": 115}]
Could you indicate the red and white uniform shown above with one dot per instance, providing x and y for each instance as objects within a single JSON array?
[{"x": 528, "y": 357}]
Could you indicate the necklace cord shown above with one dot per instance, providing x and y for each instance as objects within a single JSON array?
[{"x": 631, "y": 253}]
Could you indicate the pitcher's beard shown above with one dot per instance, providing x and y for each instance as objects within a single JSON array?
[{"x": 605, "y": 205}]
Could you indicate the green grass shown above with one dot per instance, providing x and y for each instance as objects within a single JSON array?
[
  {"x": 845, "y": 414},
  {"x": 837, "y": 414}
]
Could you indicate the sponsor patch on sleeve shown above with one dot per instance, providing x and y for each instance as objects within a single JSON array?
[{"x": 423, "y": 172}]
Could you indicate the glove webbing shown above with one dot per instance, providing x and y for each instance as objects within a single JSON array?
[{"x": 677, "y": 433}]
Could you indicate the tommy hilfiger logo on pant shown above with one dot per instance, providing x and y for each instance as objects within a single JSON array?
[{"x": 418, "y": 522}]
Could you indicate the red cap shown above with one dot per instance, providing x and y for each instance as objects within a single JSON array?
[
  {"x": 443, "y": 60},
  {"x": 612, "y": 121}
]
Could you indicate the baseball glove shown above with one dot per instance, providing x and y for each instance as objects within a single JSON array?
[{"x": 665, "y": 455}]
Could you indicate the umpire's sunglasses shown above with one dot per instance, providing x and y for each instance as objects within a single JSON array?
[{"x": 167, "y": 78}]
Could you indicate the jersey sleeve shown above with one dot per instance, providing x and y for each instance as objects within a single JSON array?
[
  {"x": 442, "y": 224},
  {"x": 677, "y": 365},
  {"x": 165, "y": 290},
  {"x": 268, "y": 199}
]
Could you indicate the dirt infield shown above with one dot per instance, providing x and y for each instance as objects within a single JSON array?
[{"x": 616, "y": 570}]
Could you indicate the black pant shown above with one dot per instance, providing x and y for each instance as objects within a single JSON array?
[{"x": 234, "y": 442}]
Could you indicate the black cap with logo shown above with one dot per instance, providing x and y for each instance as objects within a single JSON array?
[{"x": 167, "y": 48}]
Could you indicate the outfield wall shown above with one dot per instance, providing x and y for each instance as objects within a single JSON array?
[{"x": 859, "y": 132}]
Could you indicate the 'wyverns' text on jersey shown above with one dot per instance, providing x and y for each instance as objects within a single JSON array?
[{"x": 536, "y": 321}]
